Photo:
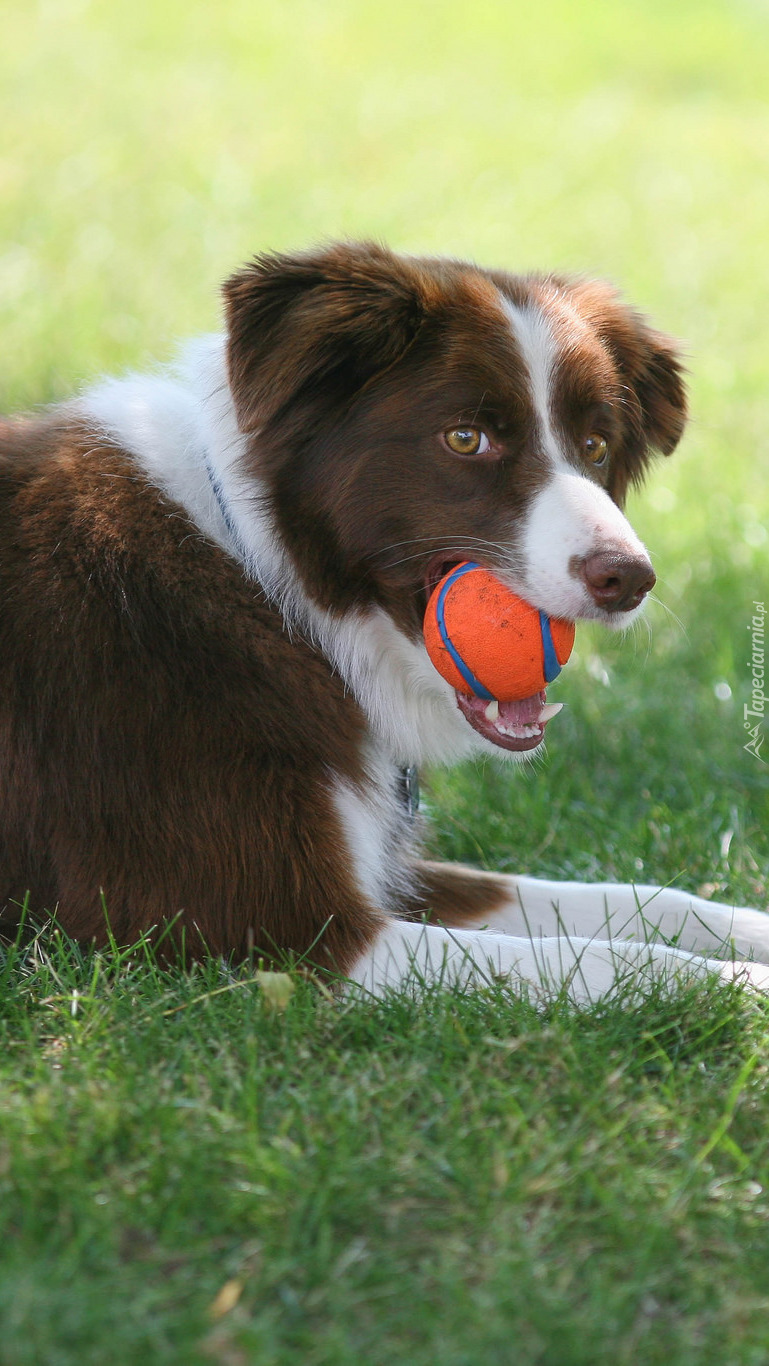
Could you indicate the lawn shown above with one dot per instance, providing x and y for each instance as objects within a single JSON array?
[{"x": 189, "y": 1173}]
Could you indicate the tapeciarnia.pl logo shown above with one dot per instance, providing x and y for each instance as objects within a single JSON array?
[{"x": 754, "y": 712}]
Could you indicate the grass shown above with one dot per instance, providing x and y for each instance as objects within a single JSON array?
[
  {"x": 187, "y": 1173},
  {"x": 464, "y": 1180}
]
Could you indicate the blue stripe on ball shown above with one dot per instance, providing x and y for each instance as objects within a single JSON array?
[
  {"x": 472, "y": 682},
  {"x": 552, "y": 667}
]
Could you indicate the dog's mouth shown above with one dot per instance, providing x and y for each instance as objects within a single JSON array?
[
  {"x": 510, "y": 725},
  {"x": 437, "y": 569},
  {"x": 516, "y": 726}
]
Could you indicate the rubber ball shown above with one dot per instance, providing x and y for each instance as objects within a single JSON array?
[{"x": 488, "y": 642}]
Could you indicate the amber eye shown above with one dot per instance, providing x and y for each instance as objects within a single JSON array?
[
  {"x": 467, "y": 441},
  {"x": 596, "y": 448}
]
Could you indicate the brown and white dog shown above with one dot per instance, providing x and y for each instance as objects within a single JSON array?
[{"x": 212, "y": 583}]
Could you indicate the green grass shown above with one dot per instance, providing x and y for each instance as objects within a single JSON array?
[
  {"x": 467, "y": 1181},
  {"x": 459, "y": 1180}
]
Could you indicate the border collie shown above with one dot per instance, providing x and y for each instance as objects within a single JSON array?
[{"x": 214, "y": 683}]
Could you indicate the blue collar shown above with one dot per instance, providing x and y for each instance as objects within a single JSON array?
[{"x": 223, "y": 506}]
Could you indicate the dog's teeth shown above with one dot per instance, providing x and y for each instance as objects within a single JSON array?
[
  {"x": 552, "y": 709},
  {"x": 521, "y": 732},
  {"x": 492, "y": 711}
]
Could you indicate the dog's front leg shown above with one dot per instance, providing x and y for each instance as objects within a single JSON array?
[
  {"x": 466, "y": 898},
  {"x": 412, "y": 956}
]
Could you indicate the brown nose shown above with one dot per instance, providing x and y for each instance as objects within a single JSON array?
[{"x": 618, "y": 582}]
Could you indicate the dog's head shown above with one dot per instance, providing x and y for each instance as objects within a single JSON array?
[{"x": 410, "y": 413}]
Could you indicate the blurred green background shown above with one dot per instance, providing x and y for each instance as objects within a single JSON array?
[{"x": 148, "y": 148}]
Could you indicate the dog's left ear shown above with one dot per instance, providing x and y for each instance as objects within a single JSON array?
[
  {"x": 651, "y": 370},
  {"x": 316, "y": 327}
]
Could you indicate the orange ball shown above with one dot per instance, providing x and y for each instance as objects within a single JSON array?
[{"x": 487, "y": 642}]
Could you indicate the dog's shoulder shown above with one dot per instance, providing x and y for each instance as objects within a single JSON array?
[
  {"x": 112, "y": 588},
  {"x": 81, "y": 521}
]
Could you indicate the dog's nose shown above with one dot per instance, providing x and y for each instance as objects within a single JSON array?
[{"x": 616, "y": 581}]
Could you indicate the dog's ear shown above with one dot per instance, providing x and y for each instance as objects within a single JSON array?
[
  {"x": 316, "y": 326},
  {"x": 651, "y": 373}
]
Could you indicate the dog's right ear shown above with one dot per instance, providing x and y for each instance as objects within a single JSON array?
[{"x": 316, "y": 327}]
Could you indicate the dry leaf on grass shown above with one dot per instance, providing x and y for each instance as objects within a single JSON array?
[
  {"x": 226, "y": 1299},
  {"x": 276, "y": 987}
]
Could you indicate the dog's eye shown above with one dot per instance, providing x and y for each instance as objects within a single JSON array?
[
  {"x": 467, "y": 441},
  {"x": 596, "y": 448}
]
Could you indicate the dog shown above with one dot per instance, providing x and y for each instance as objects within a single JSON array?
[{"x": 215, "y": 686}]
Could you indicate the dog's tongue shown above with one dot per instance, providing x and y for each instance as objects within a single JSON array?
[{"x": 511, "y": 725}]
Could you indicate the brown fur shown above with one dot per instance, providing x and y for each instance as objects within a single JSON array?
[{"x": 451, "y": 894}]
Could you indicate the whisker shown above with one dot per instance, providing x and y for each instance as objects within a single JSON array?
[
  {"x": 679, "y": 623},
  {"x": 498, "y": 558},
  {"x": 481, "y": 402},
  {"x": 644, "y": 624},
  {"x": 423, "y": 540}
]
